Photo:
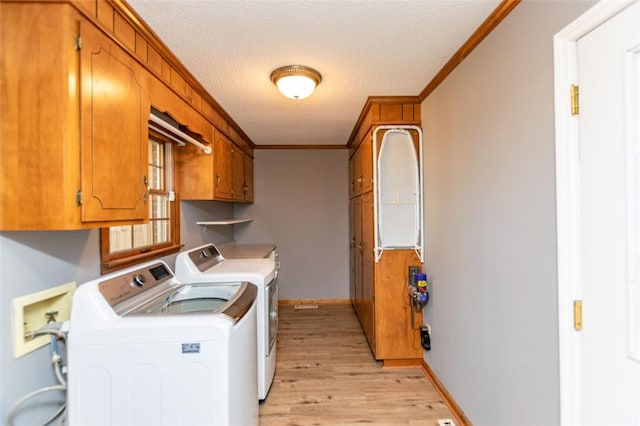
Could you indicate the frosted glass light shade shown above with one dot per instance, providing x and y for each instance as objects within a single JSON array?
[
  {"x": 296, "y": 81},
  {"x": 296, "y": 86}
]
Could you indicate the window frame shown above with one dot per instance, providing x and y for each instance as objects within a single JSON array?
[{"x": 110, "y": 262}]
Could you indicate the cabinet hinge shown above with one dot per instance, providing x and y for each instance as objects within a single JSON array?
[
  {"x": 78, "y": 198},
  {"x": 575, "y": 100},
  {"x": 577, "y": 315},
  {"x": 78, "y": 42}
]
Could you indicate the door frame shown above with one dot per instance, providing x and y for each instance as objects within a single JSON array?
[{"x": 568, "y": 203}]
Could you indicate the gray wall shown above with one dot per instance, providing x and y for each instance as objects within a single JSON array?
[
  {"x": 490, "y": 223},
  {"x": 193, "y": 235},
  {"x": 31, "y": 262},
  {"x": 302, "y": 206}
]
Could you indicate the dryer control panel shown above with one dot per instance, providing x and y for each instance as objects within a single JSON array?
[{"x": 206, "y": 257}]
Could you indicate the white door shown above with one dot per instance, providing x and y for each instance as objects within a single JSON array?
[{"x": 606, "y": 354}]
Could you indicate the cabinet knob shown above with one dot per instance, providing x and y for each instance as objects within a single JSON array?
[{"x": 217, "y": 178}]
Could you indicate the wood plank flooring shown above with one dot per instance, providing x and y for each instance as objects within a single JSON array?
[{"x": 326, "y": 375}]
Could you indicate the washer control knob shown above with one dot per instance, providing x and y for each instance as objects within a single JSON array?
[{"x": 138, "y": 280}]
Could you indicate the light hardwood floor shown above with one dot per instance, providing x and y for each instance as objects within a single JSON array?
[{"x": 326, "y": 375}]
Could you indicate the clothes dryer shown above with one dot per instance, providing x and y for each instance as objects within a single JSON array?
[{"x": 206, "y": 264}]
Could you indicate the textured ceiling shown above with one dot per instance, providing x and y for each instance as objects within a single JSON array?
[{"x": 362, "y": 48}]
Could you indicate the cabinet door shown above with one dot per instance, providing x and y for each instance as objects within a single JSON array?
[
  {"x": 368, "y": 295},
  {"x": 248, "y": 178},
  {"x": 397, "y": 329},
  {"x": 352, "y": 178},
  {"x": 237, "y": 159},
  {"x": 114, "y": 115},
  {"x": 223, "y": 167},
  {"x": 352, "y": 251},
  {"x": 194, "y": 173},
  {"x": 357, "y": 172},
  {"x": 39, "y": 120},
  {"x": 357, "y": 223},
  {"x": 366, "y": 163}
]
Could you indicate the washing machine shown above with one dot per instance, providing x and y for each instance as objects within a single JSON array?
[
  {"x": 146, "y": 349},
  {"x": 206, "y": 264}
]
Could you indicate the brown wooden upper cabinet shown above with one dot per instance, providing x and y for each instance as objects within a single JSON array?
[
  {"x": 233, "y": 171},
  {"x": 75, "y": 105},
  {"x": 74, "y": 112},
  {"x": 225, "y": 175}
]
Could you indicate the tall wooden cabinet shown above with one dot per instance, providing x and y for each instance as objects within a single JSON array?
[
  {"x": 73, "y": 129},
  {"x": 378, "y": 291}
]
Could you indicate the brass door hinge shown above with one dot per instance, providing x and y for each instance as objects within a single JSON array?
[
  {"x": 577, "y": 315},
  {"x": 575, "y": 100},
  {"x": 78, "y": 42}
]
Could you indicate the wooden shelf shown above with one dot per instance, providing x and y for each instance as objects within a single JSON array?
[{"x": 223, "y": 222}]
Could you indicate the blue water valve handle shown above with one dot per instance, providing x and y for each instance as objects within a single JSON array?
[{"x": 421, "y": 281}]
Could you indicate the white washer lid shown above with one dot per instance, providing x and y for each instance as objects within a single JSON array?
[{"x": 256, "y": 271}]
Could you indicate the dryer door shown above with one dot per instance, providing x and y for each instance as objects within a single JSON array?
[{"x": 272, "y": 294}]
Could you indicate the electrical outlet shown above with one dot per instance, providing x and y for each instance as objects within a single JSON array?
[
  {"x": 446, "y": 422},
  {"x": 425, "y": 337},
  {"x": 30, "y": 314}
]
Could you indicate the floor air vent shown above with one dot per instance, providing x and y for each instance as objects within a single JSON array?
[{"x": 305, "y": 307}]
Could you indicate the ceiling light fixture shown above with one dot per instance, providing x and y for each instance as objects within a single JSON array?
[{"x": 296, "y": 81}]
